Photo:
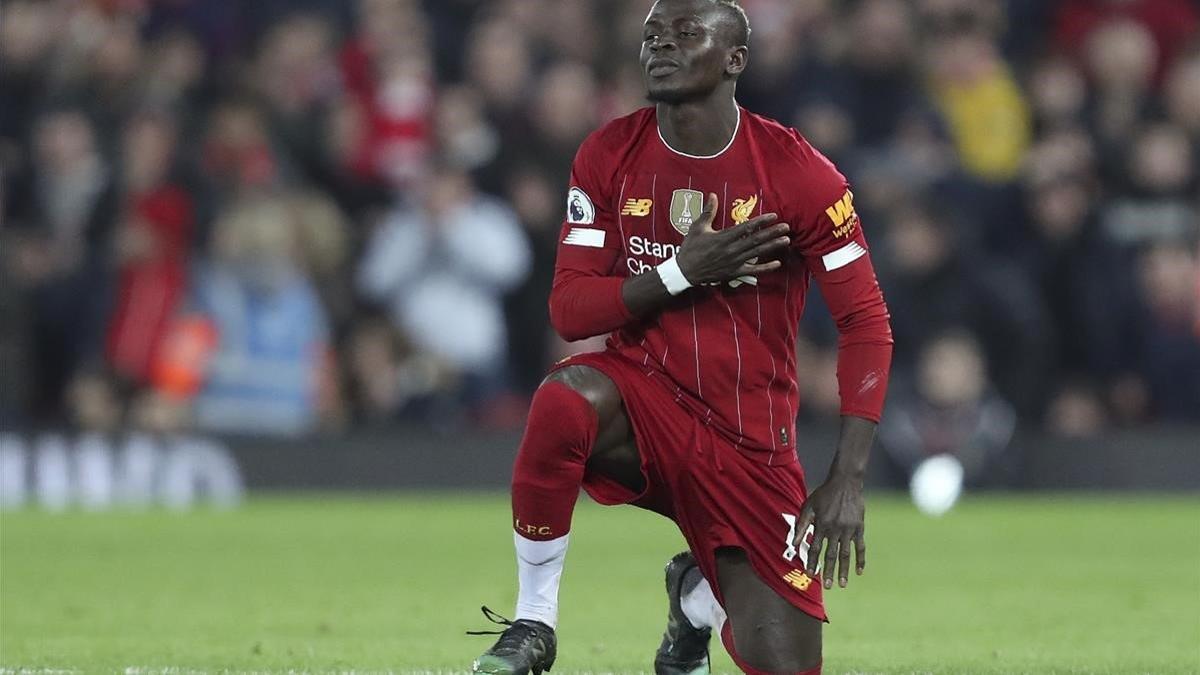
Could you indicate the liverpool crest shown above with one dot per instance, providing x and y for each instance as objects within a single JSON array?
[{"x": 743, "y": 209}]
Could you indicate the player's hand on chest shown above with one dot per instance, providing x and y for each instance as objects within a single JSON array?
[{"x": 715, "y": 243}]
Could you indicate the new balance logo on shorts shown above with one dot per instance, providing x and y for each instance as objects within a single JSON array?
[{"x": 798, "y": 579}]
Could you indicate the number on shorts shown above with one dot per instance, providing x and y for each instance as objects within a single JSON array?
[{"x": 790, "y": 552}]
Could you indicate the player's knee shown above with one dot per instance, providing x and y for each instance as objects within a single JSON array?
[
  {"x": 594, "y": 386},
  {"x": 768, "y": 633},
  {"x": 774, "y": 645},
  {"x": 562, "y": 424}
]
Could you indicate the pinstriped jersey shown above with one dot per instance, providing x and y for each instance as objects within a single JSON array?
[{"x": 727, "y": 350}]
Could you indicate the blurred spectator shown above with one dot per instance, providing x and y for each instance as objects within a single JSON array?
[
  {"x": 1158, "y": 201},
  {"x": 95, "y": 403},
  {"x": 1121, "y": 58},
  {"x": 878, "y": 84},
  {"x": 15, "y": 348},
  {"x": 788, "y": 48},
  {"x": 1084, "y": 279},
  {"x": 26, "y": 37},
  {"x": 270, "y": 366},
  {"x": 238, "y": 155},
  {"x": 935, "y": 285},
  {"x": 323, "y": 244},
  {"x": 499, "y": 66},
  {"x": 567, "y": 29},
  {"x": 296, "y": 70},
  {"x": 976, "y": 91},
  {"x": 1077, "y": 410},
  {"x": 565, "y": 112},
  {"x": 441, "y": 267},
  {"x": 153, "y": 244},
  {"x": 342, "y": 163},
  {"x": 175, "y": 71},
  {"x": 464, "y": 136},
  {"x": 1183, "y": 96},
  {"x": 61, "y": 215},
  {"x": 1170, "y": 24},
  {"x": 394, "y": 82},
  {"x": 536, "y": 197},
  {"x": 950, "y": 408},
  {"x": 297, "y": 78},
  {"x": 1058, "y": 94},
  {"x": 388, "y": 375},
  {"x": 1169, "y": 358}
]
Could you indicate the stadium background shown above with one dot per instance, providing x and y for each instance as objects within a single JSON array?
[{"x": 308, "y": 244}]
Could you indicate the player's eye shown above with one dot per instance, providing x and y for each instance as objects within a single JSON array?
[
  {"x": 687, "y": 34},
  {"x": 648, "y": 38}
]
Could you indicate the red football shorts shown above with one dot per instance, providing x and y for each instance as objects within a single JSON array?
[{"x": 717, "y": 495}]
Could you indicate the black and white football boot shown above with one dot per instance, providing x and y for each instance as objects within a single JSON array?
[
  {"x": 684, "y": 648},
  {"x": 524, "y": 647}
]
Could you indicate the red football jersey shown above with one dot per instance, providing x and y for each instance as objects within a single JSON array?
[{"x": 729, "y": 351}]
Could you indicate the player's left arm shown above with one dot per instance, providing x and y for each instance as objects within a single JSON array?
[{"x": 837, "y": 256}]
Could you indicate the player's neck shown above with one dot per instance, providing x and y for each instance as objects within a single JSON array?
[{"x": 699, "y": 128}]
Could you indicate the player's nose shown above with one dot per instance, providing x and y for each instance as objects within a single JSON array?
[{"x": 664, "y": 42}]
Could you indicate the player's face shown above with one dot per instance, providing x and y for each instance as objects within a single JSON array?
[{"x": 685, "y": 54}]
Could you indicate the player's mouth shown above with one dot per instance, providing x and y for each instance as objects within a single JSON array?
[{"x": 661, "y": 67}]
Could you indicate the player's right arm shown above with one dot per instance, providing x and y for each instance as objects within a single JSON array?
[{"x": 591, "y": 296}]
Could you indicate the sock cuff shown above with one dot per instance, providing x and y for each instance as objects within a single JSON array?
[
  {"x": 539, "y": 570},
  {"x": 699, "y": 604},
  {"x": 537, "y": 552}
]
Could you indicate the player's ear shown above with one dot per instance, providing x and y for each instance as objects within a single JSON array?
[{"x": 737, "y": 60}]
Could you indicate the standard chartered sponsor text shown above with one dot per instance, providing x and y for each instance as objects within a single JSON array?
[{"x": 646, "y": 247}]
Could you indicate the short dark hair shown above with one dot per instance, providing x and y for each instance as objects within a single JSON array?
[{"x": 738, "y": 15}]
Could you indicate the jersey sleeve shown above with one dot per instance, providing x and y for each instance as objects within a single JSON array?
[
  {"x": 831, "y": 239},
  {"x": 585, "y": 299}
]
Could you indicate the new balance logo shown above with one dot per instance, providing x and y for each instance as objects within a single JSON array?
[
  {"x": 637, "y": 207},
  {"x": 799, "y": 580}
]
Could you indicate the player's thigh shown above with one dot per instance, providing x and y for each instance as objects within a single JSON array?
[
  {"x": 614, "y": 454},
  {"x": 769, "y": 633}
]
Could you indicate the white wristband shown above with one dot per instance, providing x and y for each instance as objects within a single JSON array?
[{"x": 672, "y": 277}]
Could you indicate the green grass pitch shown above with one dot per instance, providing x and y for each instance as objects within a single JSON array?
[{"x": 1007, "y": 584}]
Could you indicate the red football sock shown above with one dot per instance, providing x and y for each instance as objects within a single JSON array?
[
  {"x": 549, "y": 467},
  {"x": 727, "y": 640}
]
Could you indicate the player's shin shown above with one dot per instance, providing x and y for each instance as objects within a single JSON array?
[{"x": 546, "y": 479}]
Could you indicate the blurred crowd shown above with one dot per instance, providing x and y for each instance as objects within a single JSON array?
[{"x": 287, "y": 216}]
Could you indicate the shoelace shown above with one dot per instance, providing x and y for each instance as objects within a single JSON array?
[
  {"x": 513, "y": 639},
  {"x": 494, "y": 618}
]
